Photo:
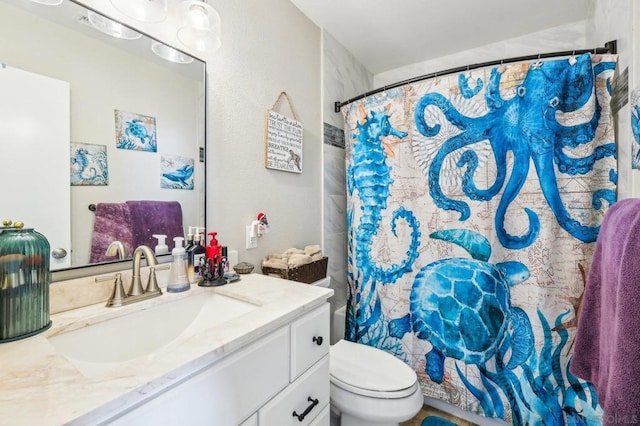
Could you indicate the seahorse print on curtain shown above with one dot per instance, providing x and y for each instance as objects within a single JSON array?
[{"x": 473, "y": 203}]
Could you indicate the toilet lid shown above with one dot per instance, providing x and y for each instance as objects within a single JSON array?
[{"x": 369, "y": 369}]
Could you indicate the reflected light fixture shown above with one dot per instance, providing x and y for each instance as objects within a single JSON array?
[
  {"x": 200, "y": 26},
  {"x": 143, "y": 10},
  {"x": 112, "y": 28},
  {"x": 48, "y": 2},
  {"x": 169, "y": 53}
]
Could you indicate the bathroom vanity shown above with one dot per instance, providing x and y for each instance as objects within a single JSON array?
[{"x": 251, "y": 352}]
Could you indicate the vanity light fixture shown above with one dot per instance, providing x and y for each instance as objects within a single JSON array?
[
  {"x": 48, "y": 2},
  {"x": 200, "y": 26},
  {"x": 143, "y": 10},
  {"x": 112, "y": 28},
  {"x": 170, "y": 54}
]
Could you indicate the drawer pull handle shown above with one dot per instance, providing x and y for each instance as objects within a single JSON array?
[
  {"x": 313, "y": 402},
  {"x": 318, "y": 340}
]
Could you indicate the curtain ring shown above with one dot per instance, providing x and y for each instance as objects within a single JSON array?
[{"x": 572, "y": 59}]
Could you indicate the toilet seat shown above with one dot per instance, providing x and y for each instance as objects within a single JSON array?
[
  {"x": 402, "y": 393},
  {"x": 371, "y": 372}
]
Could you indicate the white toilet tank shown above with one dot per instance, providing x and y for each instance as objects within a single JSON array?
[{"x": 339, "y": 317}]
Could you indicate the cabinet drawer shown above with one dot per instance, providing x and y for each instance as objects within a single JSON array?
[
  {"x": 309, "y": 340},
  {"x": 324, "y": 418},
  {"x": 251, "y": 421},
  {"x": 312, "y": 386}
]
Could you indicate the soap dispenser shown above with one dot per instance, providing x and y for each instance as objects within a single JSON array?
[
  {"x": 189, "y": 242},
  {"x": 178, "y": 279},
  {"x": 214, "y": 250},
  {"x": 162, "y": 247},
  {"x": 195, "y": 260}
]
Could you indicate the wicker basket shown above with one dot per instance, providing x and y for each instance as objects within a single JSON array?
[
  {"x": 243, "y": 268},
  {"x": 308, "y": 273}
]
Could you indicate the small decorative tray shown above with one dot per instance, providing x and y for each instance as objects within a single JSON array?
[{"x": 243, "y": 268}]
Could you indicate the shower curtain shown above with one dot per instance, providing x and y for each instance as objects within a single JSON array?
[{"x": 473, "y": 202}]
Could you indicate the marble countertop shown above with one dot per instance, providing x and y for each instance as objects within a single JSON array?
[{"x": 38, "y": 385}]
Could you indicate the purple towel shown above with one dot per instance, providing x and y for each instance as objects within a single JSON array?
[
  {"x": 607, "y": 345},
  {"x": 112, "y": 222},
  {"x": 155, "y": 217}
]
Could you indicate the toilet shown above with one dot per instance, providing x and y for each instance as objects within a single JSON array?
[{"x": 368, "y": 385}]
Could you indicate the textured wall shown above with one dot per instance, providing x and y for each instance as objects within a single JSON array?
[
  {"x": 343, "y": 77},
  {"x": 267, "y": 47},
  {"x": 614, "y": 20}
]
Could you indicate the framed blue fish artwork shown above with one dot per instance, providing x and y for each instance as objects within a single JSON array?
[
  {"x": 176, "y": 172},
  {"x": 135, "y": 131},
  {"x": 88, "y": 165}
]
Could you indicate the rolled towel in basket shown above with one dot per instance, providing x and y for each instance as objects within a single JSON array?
[
  {"x": 274, "y": 263},
  {"x": 298, "y": 260},
  {"x": 288, "y": 252},
  {"x": 313, "y": 250},
  {"x": 317, "y": 256}
]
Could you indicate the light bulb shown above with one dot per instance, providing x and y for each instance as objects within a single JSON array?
[
  {"x": 198, "y": 18},
  {"x": 48, "y": 2},
  {"x": 200, "y": 27},
  {"x": 112, "y": 28},
  {"x": 143, "y": 10},
  {"x": 170, "y": 54}
]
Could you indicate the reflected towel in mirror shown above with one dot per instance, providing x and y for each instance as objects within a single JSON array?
[
  {"x": 155, "y": 217},
  {"x": 112, "y": 222}
]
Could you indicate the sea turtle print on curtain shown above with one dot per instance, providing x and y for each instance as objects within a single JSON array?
[{"x": 473, "y": 204}]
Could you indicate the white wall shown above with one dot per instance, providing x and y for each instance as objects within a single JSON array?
[
  {"x": 267, "y": 47},
  {"x": 564, "y": 37},
  {"x": 615, "y": 20},
  {"x": 107, "y": 79},
  {"x": 343, "y": 77}
]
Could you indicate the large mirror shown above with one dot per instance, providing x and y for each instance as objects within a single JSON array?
[{"x": 96, "y": 129}]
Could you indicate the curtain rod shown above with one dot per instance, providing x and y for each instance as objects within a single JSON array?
[{"x": 609, "y": 47}]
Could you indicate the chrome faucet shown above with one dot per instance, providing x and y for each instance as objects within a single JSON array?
[
  {"x": 136, "y": 292},
  {"x": 114, "y": 248}
]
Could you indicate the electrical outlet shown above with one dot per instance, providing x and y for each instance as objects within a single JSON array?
[{"x": 252, "y": 241}]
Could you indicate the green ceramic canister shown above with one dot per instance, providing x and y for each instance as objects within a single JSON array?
[{"x": 24, "y": 282}]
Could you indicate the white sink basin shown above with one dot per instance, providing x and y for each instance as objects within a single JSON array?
[{"x": 143, "y": 332}]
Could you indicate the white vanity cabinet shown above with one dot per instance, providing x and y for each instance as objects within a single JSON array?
[
  {"x": 263, "y": 384},
  {"x": 308, "y": 394}
]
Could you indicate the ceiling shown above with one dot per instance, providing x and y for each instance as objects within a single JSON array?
[{"x": 388, "y": 34}]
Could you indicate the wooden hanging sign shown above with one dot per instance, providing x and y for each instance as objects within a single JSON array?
[{"x": 283, "y": 140}]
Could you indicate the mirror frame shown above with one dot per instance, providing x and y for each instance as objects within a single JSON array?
[{"x": 88, "y": 269}]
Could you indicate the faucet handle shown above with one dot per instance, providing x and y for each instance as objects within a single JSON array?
[
  {"x": 118, "y": 294},
  {"x": 152, "y": 282}
]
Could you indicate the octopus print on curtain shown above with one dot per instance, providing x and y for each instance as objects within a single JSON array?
[{"x": 473, "y": 204}]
